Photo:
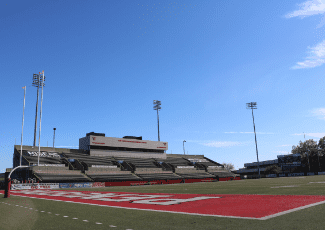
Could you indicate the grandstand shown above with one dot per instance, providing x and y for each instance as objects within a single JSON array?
[
  {"x": 288, "y": 164},
  {"x": 115, "y": 161}
]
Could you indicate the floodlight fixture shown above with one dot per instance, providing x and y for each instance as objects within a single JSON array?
[
  {"x": 252, "y": 105},
  {"x": 157, "y": 106}
]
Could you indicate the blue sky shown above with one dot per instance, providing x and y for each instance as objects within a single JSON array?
[{"x": 106, "y": 61}]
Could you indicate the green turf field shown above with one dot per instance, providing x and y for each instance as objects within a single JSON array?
[{"x": 16, "y": 217}]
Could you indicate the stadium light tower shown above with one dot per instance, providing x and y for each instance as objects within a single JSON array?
[
  {"x": 156, "y": 106},
  {"x": 53, "y": 136},
  {"x": 252, "y": 106},
  {"x": 184, "y": 147},
  {"x": 41, "y": 83},
  {"x": 38, "y": 79}
]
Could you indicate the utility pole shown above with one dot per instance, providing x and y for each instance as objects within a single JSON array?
[
  {"x": 157, "y": 107},
  {"x": 252, "y": 105}
]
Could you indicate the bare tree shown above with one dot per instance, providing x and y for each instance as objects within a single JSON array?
[{"x": 228, "y": 166}]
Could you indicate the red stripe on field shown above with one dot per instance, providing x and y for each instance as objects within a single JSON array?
[{"x": 241, "y": 206}]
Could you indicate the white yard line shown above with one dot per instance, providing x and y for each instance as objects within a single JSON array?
[{"x": 75, "y": 218}]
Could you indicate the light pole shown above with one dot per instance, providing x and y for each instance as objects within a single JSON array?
[
  {"x": 184, "y": 147},
  {"x": 36, "y": 83},
  {"x": 22, "y": 128},
  {"x": 156, "y": 106},
  {"x": 252, "y": 105},
  {"x": 41, "y": 83},
  {"x": 53, "y": 137}
]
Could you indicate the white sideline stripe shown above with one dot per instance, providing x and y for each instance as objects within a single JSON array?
[
  {"x": 197, "y": 214},
  {"x": 286, "y": 186},
  {"x": 63, "y": 216},
  {"x": 291, "y": 210}
]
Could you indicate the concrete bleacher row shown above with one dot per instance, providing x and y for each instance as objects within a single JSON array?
[
  {"x": 195, "y": 175},
  {"x": 46, "y": 177},
  {"x": 177, "y": 161},
  {"x": 113, "y": 176},
  {"x": 139, "y": 162},
  {"x": 32, "y": 160},
  {"x": 89, "y": 160},
  {"x": 159, "y": 176},
  {"x": 222, "y": 174}
]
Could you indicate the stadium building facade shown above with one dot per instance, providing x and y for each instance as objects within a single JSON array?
[{"x": 96, "y": 144}]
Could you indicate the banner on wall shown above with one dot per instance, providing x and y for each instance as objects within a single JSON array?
[
  {"x": 271, "y": 175},
  {"x": 98, "y": 184},
  {"x": 296, "y": 174},
  {"x": 76, "y": 185},
  {"x": 35, "y": 186}
]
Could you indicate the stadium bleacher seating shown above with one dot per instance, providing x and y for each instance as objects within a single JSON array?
[
  {"x": 58, "y": 174},
  {"x": 44, "y": 177},
  {"x": 195, "y": 175},
  {"x": 139, "y": 162},
  {"x": 159, "y": 176},
  {"x": 177, "y": 161},
  {"x": 78, "y": 166},
  {"x": 221, "y": 174},
  {"x": 102, "y": 177}
]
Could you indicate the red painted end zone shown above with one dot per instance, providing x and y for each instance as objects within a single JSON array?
[{"x": 237, "y": 206}]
